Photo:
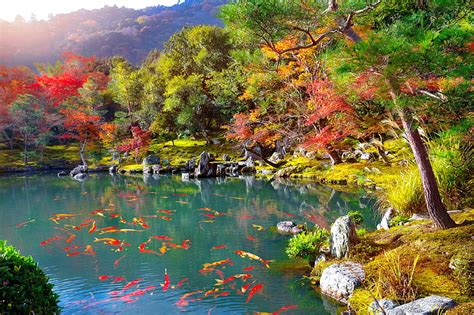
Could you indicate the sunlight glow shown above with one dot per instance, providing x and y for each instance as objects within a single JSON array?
[{"x": 42, "y": 8}]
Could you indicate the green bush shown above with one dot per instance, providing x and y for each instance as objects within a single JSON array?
[
  {"x": 24, "y": 287},
  {"x": 356, "y": 217},
  {"x": 307, "y": 244}
]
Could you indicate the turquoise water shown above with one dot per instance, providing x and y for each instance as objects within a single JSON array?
[{"x": 232, "y": 214}]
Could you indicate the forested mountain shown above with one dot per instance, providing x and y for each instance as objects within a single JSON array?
[{"x": 102, "y": 32}]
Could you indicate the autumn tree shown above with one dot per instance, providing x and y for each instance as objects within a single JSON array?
[{"x": 138, "y": 143}]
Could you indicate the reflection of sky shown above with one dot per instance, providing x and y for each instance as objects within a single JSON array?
[
  {"x": 241, "y": 201},
  {"x": 42, "y": 8}
]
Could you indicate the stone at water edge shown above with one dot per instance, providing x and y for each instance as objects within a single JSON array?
[
  {"x": 288, "y": 227},
  {"x": 433, "y": 304},
  {"x": 113, "y": 169},
  {"x": 276, "y": 157},
  {"x": 385, "y": 222},
  {"x": 78, "y": 170},
  {"x": 151, "y": 160},
  {"x": 286, "y": 172},
  {"x": 340, "y": 280},
  {"x": 343, "y": 236},
  {"x": 225, "y": 157},
  {"x": 380, "y": 307},
  {"x": 80, "y": 177},
  {"x": 204, "y": 168}
]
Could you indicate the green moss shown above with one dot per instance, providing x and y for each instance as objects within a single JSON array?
[
  {"x": 360, "y": 300},
  {"x": 132, "y": 168}
]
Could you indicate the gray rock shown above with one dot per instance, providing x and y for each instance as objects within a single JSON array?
[
  {"x": 216, "y": 141},
  {"x": 288, "y": 227},
  {"x": 250, "y": 162},
  {"x": 433, "y": 304},
  {"x": 147, "y": 169},
  {"x": 343, "y": 236},
  {"x": 380, "y": 307},
  {"x": 385, "y": 222},
  {"x": 204, "y": 168},
  {"x": 418, "y": 217},
  {"x": 191, "y": 165},
  {"x": 80, "y": 177},
  {"x": 78, "y": 170},
  {"x": 286, "y": 172},
  {"x": 340, "y": 280},
  {"x": 220, "y": 170},
  {"x": 366, "y": 156},
  {"x": 225, "y": 157},
  {"x": 276, "y": 157},
  {"x": 113, "y": 169},
  {"x": 185, "y": 177},
  {"x": 156, "y": 169},
  {"x": 266, "y": 172},
  {"x": 151, "y": 160},
  {"x": 62, "y": 173}
]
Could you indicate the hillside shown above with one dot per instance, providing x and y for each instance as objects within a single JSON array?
[{"x": 102, "y": 32}]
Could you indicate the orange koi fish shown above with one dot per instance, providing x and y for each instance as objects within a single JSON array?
[
  {"x": 258, "y": 288},
  {"x": 212, "y": 291},
  {"x": 166, "y": 285},
  {"x": 251, "y": 238},
  {"x": 66, "y": 249},
  {"x": 49, "y": 240},
  {"x": 205, "y": 209},
  {"x": 70, "y": 238},
  {"x": 285, "y": 308},
  {"x": 120, "y": 231},
  {"x": 182, "y": 202},
  {"x": 165, "y": 211},
  {"x": 114, "y": 215},
  {"x": 218, "y": 247},
  {"x": 19, "y": 225},
  {"x": 89, "y": 250},
  {"x": 73, "y": 254},
  {"x": 243, "y": 276},
  {"x": 93, "y": 228},
  {"x": 165, "y": 218},
  {"x": 117, "y": 261},
  {"x": 161, "y": 237},
  {"x": 207, "y": 266},
  {"x": 183, "y": 299},
  {"x": 243, "y": 254},
  {"x": 141, "y": 291},
  {"x": 180, "y": 282},
  {"x": 142, "y": 249},
  {"x": 109, "y": 228},
  {"x": 180, "y": 195},
  {"x": 108, "y": 241}
]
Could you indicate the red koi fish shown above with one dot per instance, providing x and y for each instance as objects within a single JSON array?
[
  {"x": 66, "y": 249},
  {"x": 70, "y": 238},
  {"x": 93, "y": 227},
  {"x": 166, "y": 285},
  {"x": 183, "y": 299},
  {"x": 114, "y": 215},
  {"x": 219, "y": 273},
  {"x": 141, "y": 291},
  {"x": 246, "y": 217},
  {"x": 49, "y": 240},
  {"x": 209, "y": 215},
  {"x": 249, "y": 268},
  {"x": 98, "y": 212},
  {"x": 109, "y": 228},
  {"x": 181, "y": 282},
  {"x": 290, "y": 215},
  {"x": 142, "y": 249},
  {"x": 102, "y": 277},
  {"x": 161, "y": 237},
  {"x": 165, "y": 218},
  {"x": 217, "y": 263},
  {"x": 165, "y": 211},
  {"x": 73, "y": 254},
  {"x": 108, "y": 241},
  {"x": 243, "y": 276},
  {"x": 117, "y": 261},
  {"x": 180, "y": 195},
  {"x": 244, "y": 288},
  {"x": 258, "y": 288},
  {"x": 285, "y": 308},
  {"x": 251, "y": 238},
  {"x": 185, "y": 244},
  {"x": 131, "y": 284},
  {"x": 218, "y": 247},
  {"x": 19, "y": 225},
  {"x": 89, "y": 250}
]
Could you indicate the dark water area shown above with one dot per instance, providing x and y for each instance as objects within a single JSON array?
[{"x": 193, "y": 223}]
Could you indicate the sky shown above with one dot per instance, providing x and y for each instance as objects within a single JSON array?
[{"x": 42, "y": 8}]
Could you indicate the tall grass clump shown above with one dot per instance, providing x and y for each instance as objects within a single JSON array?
[{"x": 451, "y": 157}]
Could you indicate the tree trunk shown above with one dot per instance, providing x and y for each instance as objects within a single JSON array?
[
  {"x": 434, "y": 204},
  {"x": 81, "y": 152},
  {"x": 334, "y": 156}
]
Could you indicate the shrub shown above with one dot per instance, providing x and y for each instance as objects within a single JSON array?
[
  {"x": 24, "y": 287},
  {"x": 356, "y": 217},
  {"x": 307, "y": 244},
  {"x": 399, "y": 220}
]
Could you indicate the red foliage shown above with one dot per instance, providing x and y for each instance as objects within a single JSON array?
[
  {"x": 139, "y": 142},
  {"x": 80, "y": 125}
]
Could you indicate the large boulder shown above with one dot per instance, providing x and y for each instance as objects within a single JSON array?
[
  {"x": 78, "y": 170},
  {"x": 288, "y": 227},
  {"x": 385, "y": 222},
  {"x": 340, "y": 280},
  {"x": 381, "y": 307},
  {"x": 276, "y": 157},
  {"x": 204, "y": 168},
  {"x": 343, "y": 236},
  {"x": 190, "y": 165},
  {"x": 433, "y": 304},
  {"x": 151, "y": 160}
]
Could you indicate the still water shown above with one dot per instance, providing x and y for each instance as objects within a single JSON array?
[{"x": 193, "y": 223}]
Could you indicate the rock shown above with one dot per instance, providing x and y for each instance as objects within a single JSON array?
[
  {"x": 156, "y": 169},
  {"x": 216, "y": 141},
  {"x": 147, "y": 169},
  {"x": 113, "y": 169},
  {"x": 265, "y": 172},
  {"x": 62, "y": 173},
  {"x": 247, "y": 170},
  {"x": 343, "y": 236},
  {"x": 190, "y": 165},
  {"x": 380, "y": 307},
  {"x": 418, "y": 217},
  {"x": 367, "y": 156},
  {"x": 80, "y": 177},
  {"x": 385, "y": 222},
  {"x": 250, "y": 162},
  {"x": 204, "y": 168},
  {"x": 78, "y": 170},
  {"x": 288, "y": 227},
  {"x": 433, "y": 304},
  {"x": 185, "y": 176},
  {"x": 220, "y": 170},
  {"x": 225, "y": 157},
  {"x": 285, "y": 172},
  {"x": 319, "y": 259},
  {"x": 340, "y": 280},
  {"x": 276, "y": 157},
  {"x": 151, "y": 160}
]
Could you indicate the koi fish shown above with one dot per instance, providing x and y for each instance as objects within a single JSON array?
[
  {"x": 64, "y": 215},
  {"x": 209, "y": 215},
  {"x": 114, "y": 215},
  {"x": 93, "y": 228},
  {"x": 249, "y": 268},
  {"x": 258, "y": 227},
  {"x": 73, "y": 254},
  {"x": 120, "y": 231},
  {"x": 141, "y": 291},
  {"x": 185, "y": 244},
  {"x": 165, "y": 218},
  {"x": 251, "y": 238},
  {"x": 117, "y": 261},
  {"x": 161, "y": 237},
  {"x": 218, "y": 247},
  {"x": 205, "y": 209},
  {"x": 109, "y": 228},
  {"x": 258, "y": 288},
  {"x": 108, "y": 241},
  {"x": 131, "y": 284},
  {"x": 212, "y": 291},
  {"x": 182, "y": 202},
  {"x": 180, "y": 195},
  {"x": 246, "y": 217},
  {"x": 243, "y": 276},
  {"x": 142, "y": 249},
  {"x": 89, "y": 250},
  {"x": 180, "y": 282},
  {"x": 66, "y": 249},
  {"x": 245, "y": 287},
  {"x": 243, "y": 254},
  {"x": 165, "y": 211},
  {"x": 183, "y": 299},
  {"x": 285, "y": 308},
  {"x": 70, "y": 238},
  {"x": 102, "y": 278},
  {"x": 219, "y": 273},
  {"x": 217, "y": 263},
  {"x": 166, "y": 285},
  {"x": 290, "y": 215},
  {"x": 49, "y": 240},
  {"x": 237, "y": 198},
  {"x": 19, "y": 225},
  {"x": 163, "y": 249}
]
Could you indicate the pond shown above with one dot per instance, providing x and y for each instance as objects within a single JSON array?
[{"x": 107, "y": 242}]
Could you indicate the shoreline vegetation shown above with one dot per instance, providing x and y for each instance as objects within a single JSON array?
[{"x": 375, "y": 94}]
